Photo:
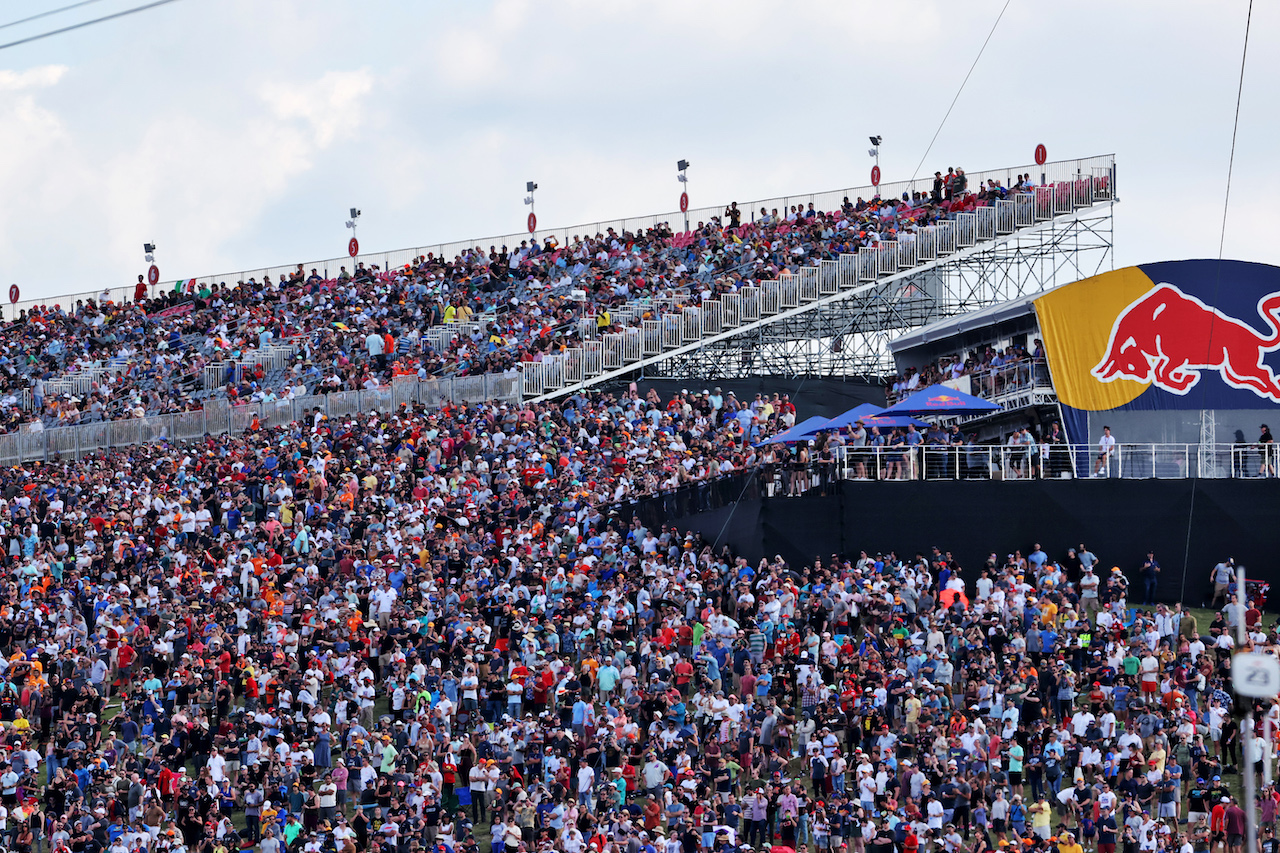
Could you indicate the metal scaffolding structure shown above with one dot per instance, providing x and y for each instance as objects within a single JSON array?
[
  {"x": 850, "y": 335},
  {"x": 837, "y": 316}
]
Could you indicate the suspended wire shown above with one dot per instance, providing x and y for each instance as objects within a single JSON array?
[
  {"x": 1222, "y": 239},
  {"x": 83, "y": 24},
  {"x": 961, "y": 89},
  {"x": 47, "y": 14},
  {"x": 1235, "y": 128}
]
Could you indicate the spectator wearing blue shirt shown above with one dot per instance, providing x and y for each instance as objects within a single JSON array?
[{"x": 1037, "y": 558}]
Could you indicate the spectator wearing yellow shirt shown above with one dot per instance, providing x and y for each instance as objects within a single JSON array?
[
  {"x": 1041, "y": 813},
  {"x": 1048, "y": 613},
  {"x": 1068, "y": 844},
  {"x": 912, "y": 706}
]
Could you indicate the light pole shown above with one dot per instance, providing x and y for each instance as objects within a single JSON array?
[
  {"x": 875, "y": 152},
  {"x": 683, "y": 167},
  {"x": 153, "y": 272},
  {"x": 530, "y": 187},
  {"x": 353, "y": 245}
]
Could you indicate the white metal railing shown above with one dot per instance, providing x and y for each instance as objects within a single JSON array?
[
  {"x": 1064, "y": 197},
  {"x": 652, "y": 331},
  {"x": 946, "y": 237},
  {"x": 770, "y": 298},
  {"x": 927, "y": 245},
  {"x": 788, "y": 291},
  {"x": 1005, "y": 217},
  {"x": 907, "y": 252},
  {"x": 731, "y": 310},
  {"x": 592, "y": 358},
  {"x": 711, "y": 317},
  {"x": 887, "y": 257},
  {"x": 631, "y": 345},
  {"x": 1164, "y": 461},
  {"x": 987, "y": 222},
  {"x": 868, "y": 264},
  {"x": 670, "y": 331},
  {"x": 848, "y": 270},
  {"x": 1024, "y": 210},
  {"x": 751, "y": 300},
  {"x": 690, "y": 326},
  {"x": 828, "y": 278},
  {"x": 1045, "y": 208},
  {"x": 219, "y": 418},
  {"x": 612, "y": 356}
]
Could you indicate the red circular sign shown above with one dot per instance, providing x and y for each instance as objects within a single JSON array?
[
  {"x": 353, "y": 247},
  {"x": 875, "y": 176},
  {"x": 533, "y": 223},
  {"x": 13, "y": 293},
  {"x": 153, "y": 275},
  {"x": 1042, "y": 155},
  {"x": 684, "y": 202}
]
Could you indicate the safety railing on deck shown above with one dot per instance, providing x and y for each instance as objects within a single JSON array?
[{"x": 1047, "y": 461}]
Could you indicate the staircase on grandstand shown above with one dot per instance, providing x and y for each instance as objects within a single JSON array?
[{"x": 656, "y": 330}]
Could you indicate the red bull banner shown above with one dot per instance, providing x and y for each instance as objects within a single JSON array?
[{"x": 1177, "y": 335}]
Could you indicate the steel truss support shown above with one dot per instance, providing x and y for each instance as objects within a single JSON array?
[{"x": 850, "y": 336}]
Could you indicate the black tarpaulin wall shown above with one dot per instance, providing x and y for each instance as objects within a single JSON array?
[{"x": 1119, "y": 520}]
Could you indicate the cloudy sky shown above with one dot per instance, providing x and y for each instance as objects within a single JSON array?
[{"x": 236, "y": 134}]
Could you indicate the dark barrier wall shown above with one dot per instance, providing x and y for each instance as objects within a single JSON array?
[{"x": 1119, "y": 520}]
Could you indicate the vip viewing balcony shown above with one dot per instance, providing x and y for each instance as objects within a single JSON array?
[{"x": 1014, "y": 463}]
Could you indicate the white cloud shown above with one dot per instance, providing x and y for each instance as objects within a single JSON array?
[
  {"x": 33, "y": 78},
  {"x": 331, "y": 105},
  {"x": 235, "y": 145}
]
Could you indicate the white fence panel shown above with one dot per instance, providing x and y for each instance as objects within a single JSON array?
[
  {"x": 808, "y": 284},
  {"x": 868, "y": 263},
  {"x": 828, "y": 278},
  {"x": 631, "y": 345},
  {"x": 946, "y": 238},
  {"x": 887, "y": 250},
  {"x": 690, "y": 325},
  {"x": 788, "y": 290},
  {"x": 770, "y": 298},
  {"x": 711, "y": 317}
]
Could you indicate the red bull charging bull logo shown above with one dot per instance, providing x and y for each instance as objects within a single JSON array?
[{"x": 1166, "y": 338}]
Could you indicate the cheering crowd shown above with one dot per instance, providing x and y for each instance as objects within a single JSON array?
[
  {"x": 447, "y": 631},
  {"x": 357, "y": 329}
]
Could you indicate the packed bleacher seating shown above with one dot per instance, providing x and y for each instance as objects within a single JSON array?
[
  {"x": 432, "y": 631},
  {"x": 99, "y": 359}
]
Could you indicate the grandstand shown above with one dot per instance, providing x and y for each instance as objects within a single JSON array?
[{"x": 206, "y": 341}]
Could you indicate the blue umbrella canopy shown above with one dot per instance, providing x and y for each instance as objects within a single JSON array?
[
  {"x": 796, "y": 433},
  {"x": 870, "y": 414},
  {"x": 941, "y": 400},
  {"x": 890, "y": 421},
  {"x": 859, "y": 412}
]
